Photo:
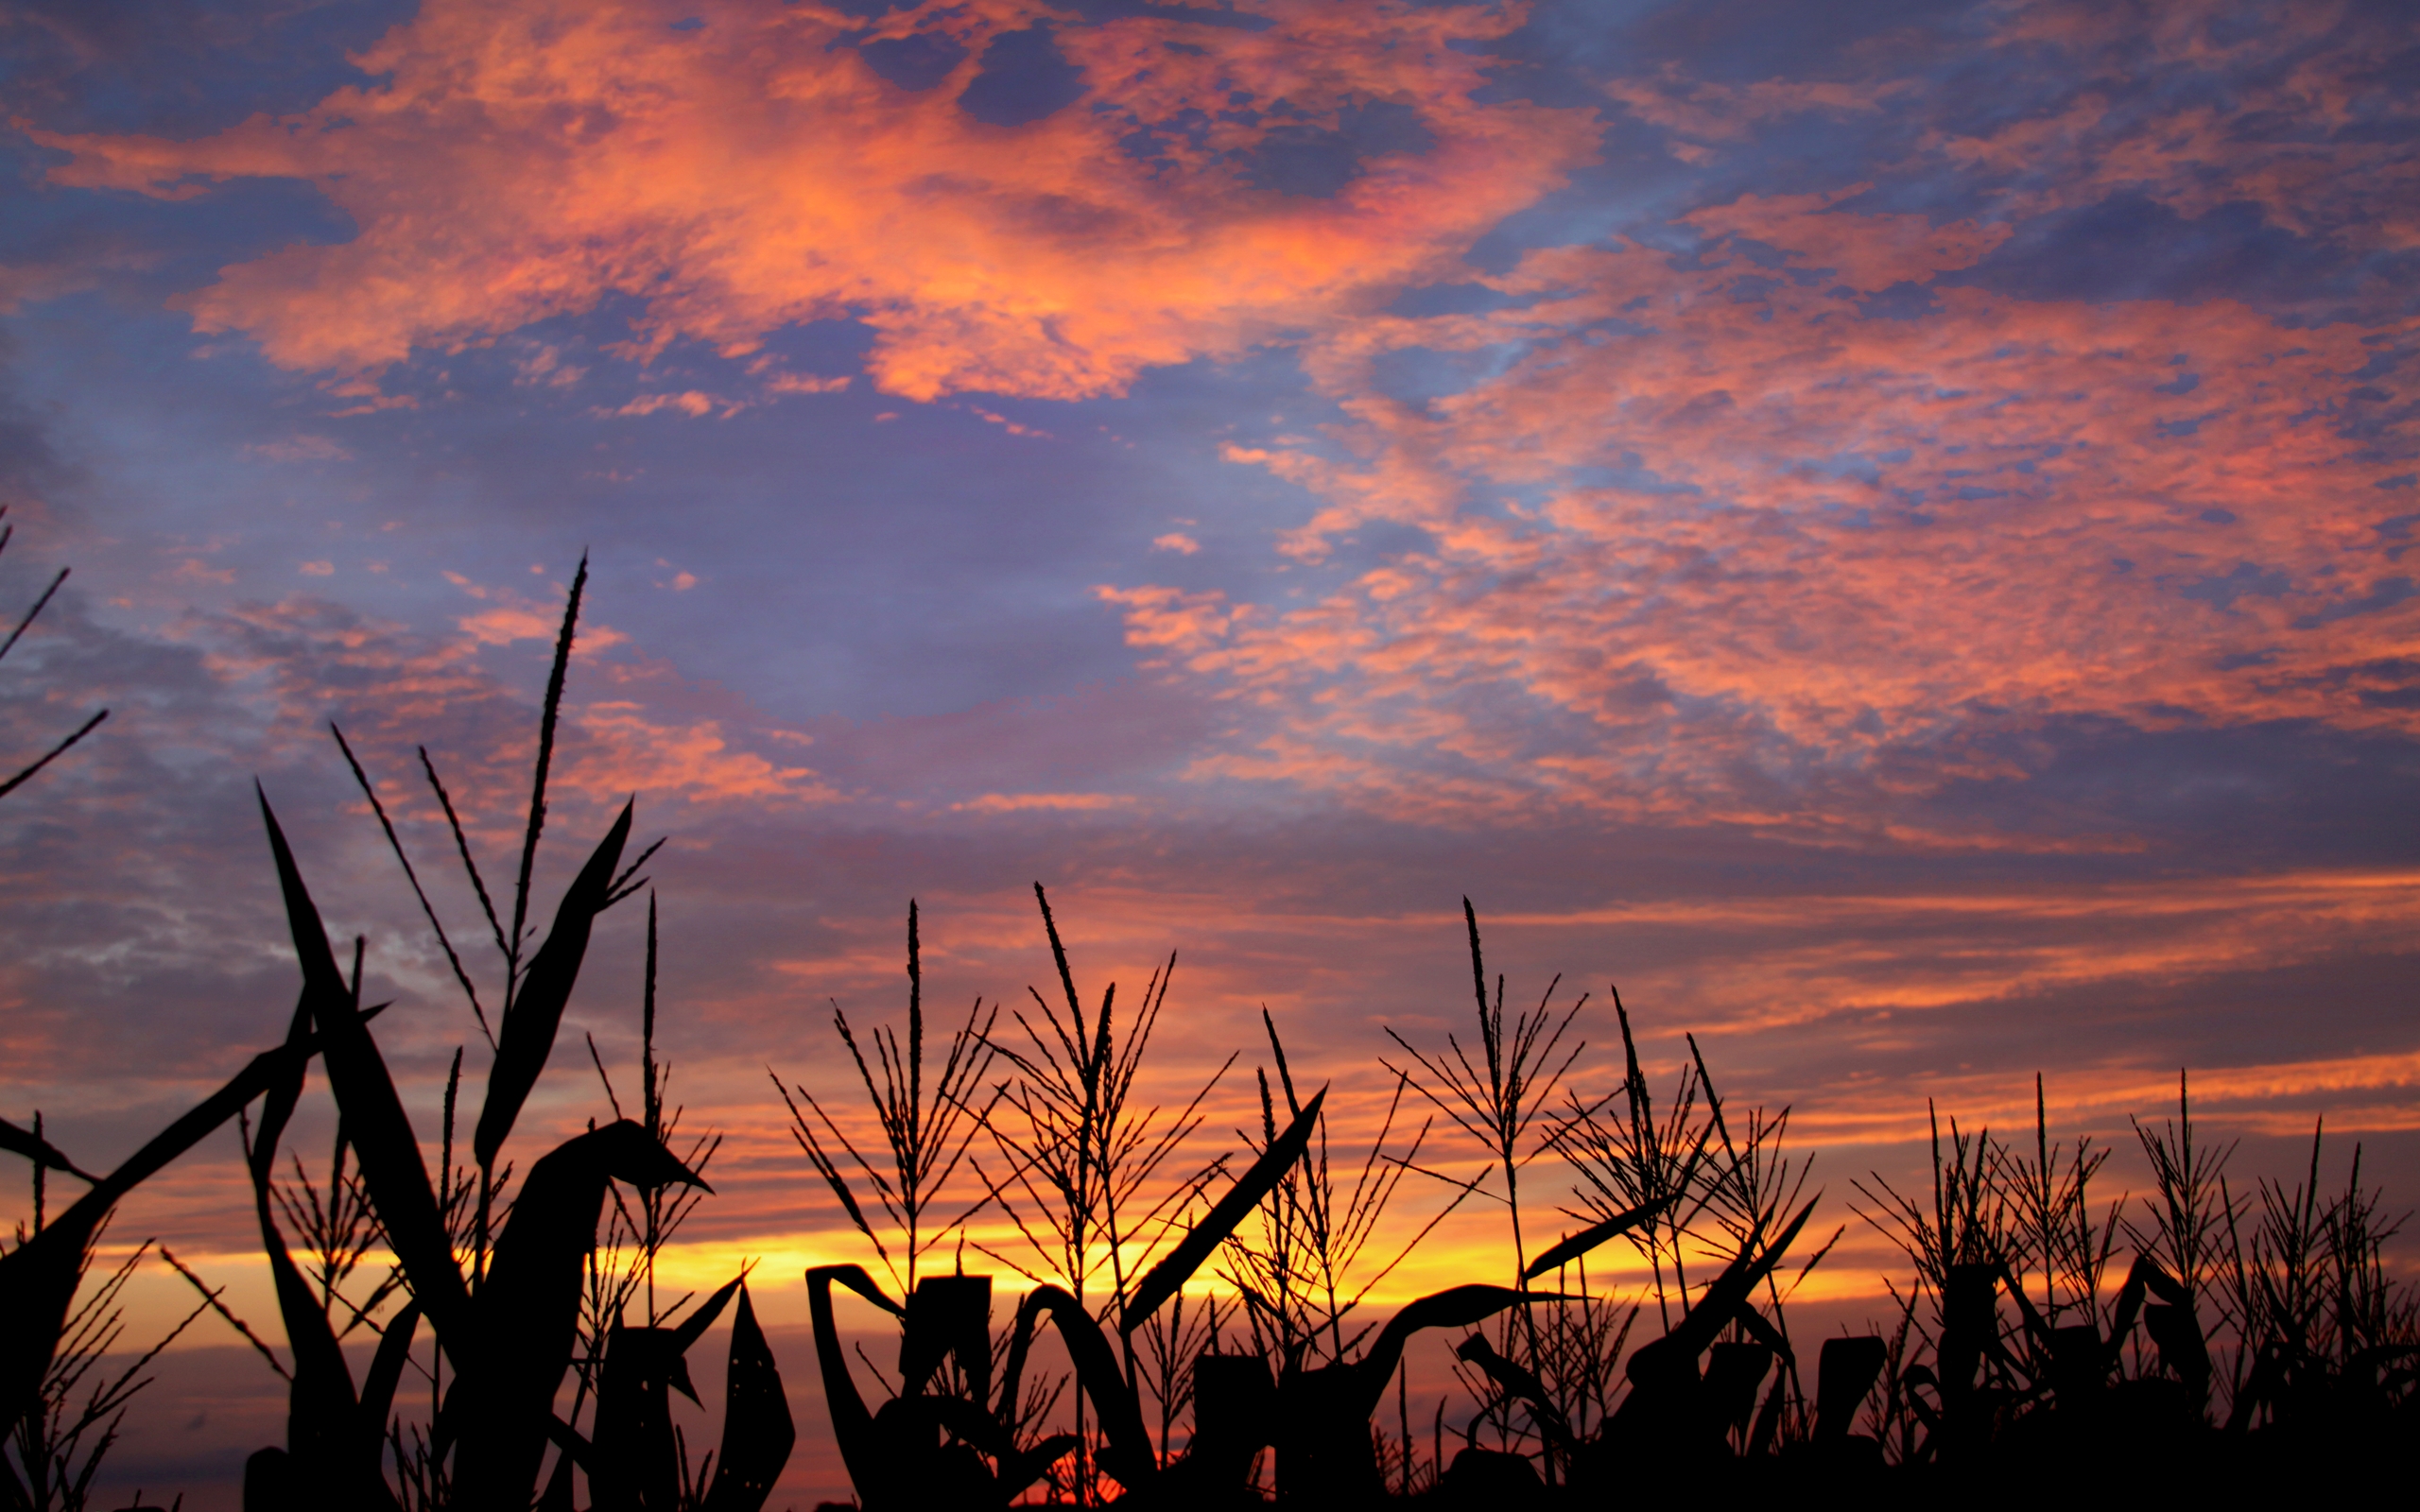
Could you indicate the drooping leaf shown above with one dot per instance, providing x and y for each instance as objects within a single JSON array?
[
  {"x": 529, "y": 1310},
  {"x": 2182, "y": 1349},
  {"x": 1457, "y": 1307},
  {"x": 527, "y": 1037},
  {"x": 1172, "y": 1272},
  {"x": 1126, "y": 1447},
  {"x": 852, "y": 1424},
  {"x": 1519, "y": 1384}
]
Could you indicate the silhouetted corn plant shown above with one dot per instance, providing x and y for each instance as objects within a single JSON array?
[
  {"x": 515, "y": 1308},
  {"x": 1298, "y": 1271},
  {"x": 925, "y": 1132},
  {"x": 1082, "y": 1168},
  {"x": 1641, "y": 1179},
  {"x": 1516, "y": 1077},
  {"x": 55, "y": 1450}
]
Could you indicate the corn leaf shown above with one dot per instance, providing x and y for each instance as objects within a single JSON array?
[
  {"x": 757, "y": 1433},
  {"x": 529, "y": 1310},
  {"x": 376, "y": 1124},
  {"x": 1171, "y": 1273},
  {"x": 527, "y": 1037},
  {"x": 1575, "y": 1246}
]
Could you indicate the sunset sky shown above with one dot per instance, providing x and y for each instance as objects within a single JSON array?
[{"x": 1878, "y": 531}]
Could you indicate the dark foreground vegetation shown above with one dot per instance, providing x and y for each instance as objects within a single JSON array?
[{"x": 2047, "y": 1343}]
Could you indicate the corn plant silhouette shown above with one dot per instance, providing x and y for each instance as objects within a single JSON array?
[
  {"x": 925, "y": 1134},
  {"x": 515, "y": 1308}
]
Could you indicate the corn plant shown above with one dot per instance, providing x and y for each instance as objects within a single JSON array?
[{"x": 515, "y": 1308}]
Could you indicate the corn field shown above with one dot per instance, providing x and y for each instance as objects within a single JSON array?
[{"x": 1214, "y": 1342}]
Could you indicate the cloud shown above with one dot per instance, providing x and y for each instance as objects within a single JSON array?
[
  {"x": 521, "y": 161},
  {"x": 1043, "y": 802},
  {"x": 689, "y": 402},
  {"x": 1701, "y": 533},
  {"x": 792, "y": 382}
]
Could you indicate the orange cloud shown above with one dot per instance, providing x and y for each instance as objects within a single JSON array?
[
  {"x": 634, "y": 753},
  {"x": 521, "y": 161}
]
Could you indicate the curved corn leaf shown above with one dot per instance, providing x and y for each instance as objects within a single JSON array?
[
  {"x": 527, "y": 1037},
  {"x": 1126, "y": 1447},
  {"x": 1456, "y": 1307},
  {"x": 320, "y": 1416},
  {"x": 386, "y": 1374},
  {"x": 1520, "y": 1383},
  {"x": 1172, "y": 1272},
  {"x": 529, "y": 1311},
  {"x": 852, "y": 1425}
]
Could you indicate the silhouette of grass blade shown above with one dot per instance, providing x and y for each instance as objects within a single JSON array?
[
  {"x": 386, "y": 1374},
  {"x": 1167, "y": 1278},
  {"x": 527, "y": 1036},
  {"x": 376, "y": 1124},
  {"x": 53, "y": 754},
  {"x": 1589, "y": 1238},
  {"x": 545, "y": 759},
  {"x": 395, "y": 844},
  {"x": 462, "y": 846},
  {"x": 27, "y": 618},
  {"x": 757, "y": 1433}
]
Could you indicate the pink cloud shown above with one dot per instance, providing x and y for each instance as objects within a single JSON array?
[{"x": 751, "y": 174}]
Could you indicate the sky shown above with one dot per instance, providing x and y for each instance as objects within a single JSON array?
[{"x": 1876, "y": 531}]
